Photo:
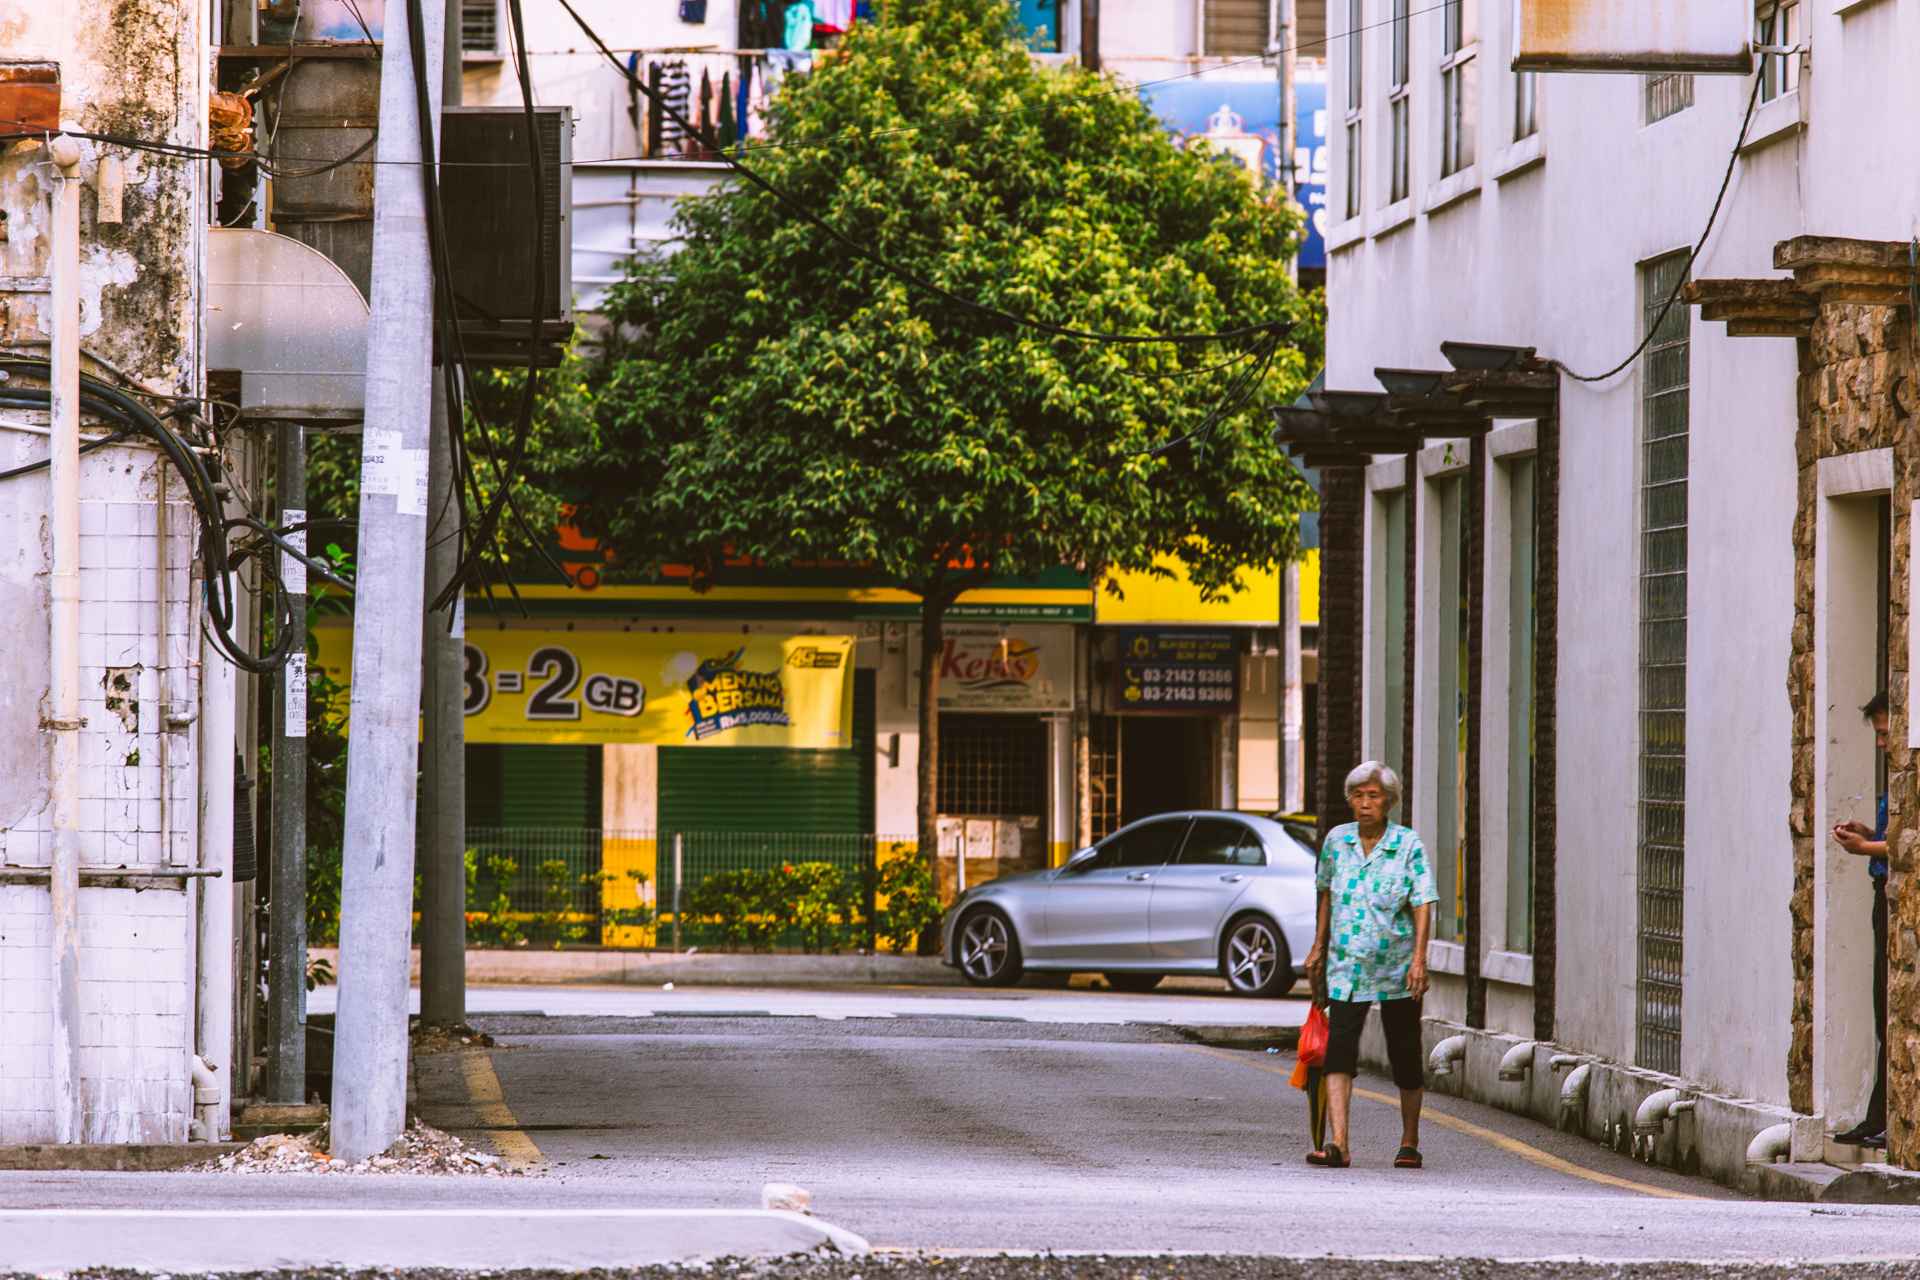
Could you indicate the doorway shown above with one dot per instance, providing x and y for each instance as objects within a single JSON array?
[{"x": 1167, "y": 763}]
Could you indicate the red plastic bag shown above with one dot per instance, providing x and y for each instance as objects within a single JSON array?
[{"x": 1313, "y": 1045}]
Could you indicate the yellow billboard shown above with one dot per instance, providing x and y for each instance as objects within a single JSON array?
[{"x": 674, "y": 689}]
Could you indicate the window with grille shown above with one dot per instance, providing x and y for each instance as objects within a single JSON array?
[
  {"x": 480, "y": 26},
  {"x": 1236, "y": 28},
  {"x": 1668, "y": 94},
  {"x": 1777, "y": 25},
  {"x": 1399, "y": 109},
  {"x": 993, "y": 765},
  {"x": 1103, "y": 775},
  {"x": 1457, "y": 98},
  {"x": 1356, "y": 62},
  {"x": 1663, "y": 665}
]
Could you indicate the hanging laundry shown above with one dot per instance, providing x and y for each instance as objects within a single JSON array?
[
  {"x": 675, "y": 87},
  {"x": 724, "y": 125},
  {"x": 755, "y": 114},
  {"x": 743, "y": 98},
  {"x": 699, "y": 147},
  {"x": 834, "y": 15},
  {"x": 782, "y": 61},
  {"x": 800, "y": 25}
]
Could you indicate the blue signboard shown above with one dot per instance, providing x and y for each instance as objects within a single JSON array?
[
  {"x": 1241, "y": 118},
  {"x": 1178, "y": 672},
  {"x": 1310, "y": 166}
]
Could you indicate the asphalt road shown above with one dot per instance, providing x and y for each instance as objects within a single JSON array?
[
  {"x": 965, "y": 1134},
  {"x": 1187, "y": 1001}
]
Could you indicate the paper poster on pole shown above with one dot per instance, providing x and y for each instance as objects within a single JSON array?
[{"x": 673, "y": 689}]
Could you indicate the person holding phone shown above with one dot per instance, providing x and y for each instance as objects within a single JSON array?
[{"x": 1855, "y": 838}]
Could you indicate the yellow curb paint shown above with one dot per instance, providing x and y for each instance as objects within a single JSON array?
[
  {"x": 1513, "y": 1146},
  {"x": 483, "y": 1088}
]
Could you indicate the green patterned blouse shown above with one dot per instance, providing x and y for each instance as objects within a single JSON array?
[{"x": 1371, "y": 941}]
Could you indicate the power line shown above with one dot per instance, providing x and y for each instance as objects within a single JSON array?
[
  {"x": 1686, "y": 273},
  {"x": 892, "y": 268},
  {"x": 201, "y": 153}
]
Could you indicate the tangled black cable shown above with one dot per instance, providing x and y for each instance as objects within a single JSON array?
[
  {"x": 894, "y": 269},
  {"x": 219, "y": 562},
  {"x": 1686, "y": 272}
]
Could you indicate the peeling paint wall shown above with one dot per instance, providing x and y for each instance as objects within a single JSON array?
[{"x": 136, "y": 69}]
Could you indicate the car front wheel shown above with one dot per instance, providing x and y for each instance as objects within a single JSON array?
[
  {"x": 989, "y": 950},
  {"x": 1254, "y": 958}
]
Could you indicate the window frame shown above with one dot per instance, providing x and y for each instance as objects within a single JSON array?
[
  {"x": 1400, "y": 104},
  {"x": 1779, "y": 72},
  {"x": 1356, "y": 106},
  {"x": 1459, "y": 108}
]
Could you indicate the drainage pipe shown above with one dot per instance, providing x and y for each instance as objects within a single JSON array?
[
  {"x": 1573, "y": 1091},
  {"x": 64, "y": 656},
  {"x": 1770, "y": 1144},
  {"x": 213, "y": 993},
  {"x": 1449, "y": 1051},
  {"x": 1656, "y": 1107},
  {"x": 208, "y": 1098},
  {"x": 1517, "y": 1061}
]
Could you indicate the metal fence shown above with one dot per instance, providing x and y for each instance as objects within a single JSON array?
[{"x": 582, "y": 884}]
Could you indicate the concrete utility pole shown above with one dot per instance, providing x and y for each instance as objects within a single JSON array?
[
  {"x": 376, "y": 897},
  {"x": 443, "y": 746},
  {"x": 443, "y": 742},
  {"x": 69, "y": 1112},
  {"x": 287, "y": 861}
]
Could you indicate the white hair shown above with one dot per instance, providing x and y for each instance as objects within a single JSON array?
[{"x": 1375, "y": 771}]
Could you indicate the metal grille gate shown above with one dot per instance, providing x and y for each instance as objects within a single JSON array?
[{"x": 1663, "y": 669}]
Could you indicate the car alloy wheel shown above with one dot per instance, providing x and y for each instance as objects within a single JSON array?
[
  {"x": 989, "y": 953},
  {"x": 1256, "y": 960}
]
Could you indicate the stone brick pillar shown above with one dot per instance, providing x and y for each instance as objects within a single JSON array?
[{"x": 1342, "y": 613}]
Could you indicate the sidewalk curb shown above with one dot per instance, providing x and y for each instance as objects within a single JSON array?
[
  {"x": 494, "y": 1239},
  {"x": 717, "y": 968},
  {"x": 125, "y": 1157}
]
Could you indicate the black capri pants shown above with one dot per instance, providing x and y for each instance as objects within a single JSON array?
[{"x": 1400, "y": 1019}]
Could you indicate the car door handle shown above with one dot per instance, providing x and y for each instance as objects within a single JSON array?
[
  {"x": 1141, "y": 875},
  {"x": 1235, "y": 878}
]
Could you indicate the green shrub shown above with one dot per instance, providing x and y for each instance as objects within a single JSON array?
[
  {"x": 815, "y": 902},
  {"x": 912, "y": 904}
]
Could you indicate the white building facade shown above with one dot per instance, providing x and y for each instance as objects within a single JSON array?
[{"x": 1668, "y": 899}]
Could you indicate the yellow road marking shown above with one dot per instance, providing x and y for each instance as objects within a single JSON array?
[
  {"x": 1513, "y": 1146},
  {"x": 483, "y": 1088}
]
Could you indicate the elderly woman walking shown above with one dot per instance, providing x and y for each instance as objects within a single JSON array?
[{"x": 1376, "y": 906}]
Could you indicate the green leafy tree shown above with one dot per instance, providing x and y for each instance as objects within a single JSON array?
[{"x": 765, "y": 392}]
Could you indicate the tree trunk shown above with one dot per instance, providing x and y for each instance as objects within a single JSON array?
[{"x": 933, "y": 608}]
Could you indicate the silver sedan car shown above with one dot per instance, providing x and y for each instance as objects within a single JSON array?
[{"x": 1217, "y": 893}]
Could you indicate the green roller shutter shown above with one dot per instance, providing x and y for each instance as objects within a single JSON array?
[
  {"x": 545, "y": 785},
  {"x": 773, "y": 788}
]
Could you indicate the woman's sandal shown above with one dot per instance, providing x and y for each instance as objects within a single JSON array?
[
  {"x": 1330, "y": 1155},
  {"x": 1409, "y": 1158}
]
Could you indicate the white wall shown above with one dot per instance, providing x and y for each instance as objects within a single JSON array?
[
  {"x": 1546, "y": 253},
  {"x": 140, "y": 307}
]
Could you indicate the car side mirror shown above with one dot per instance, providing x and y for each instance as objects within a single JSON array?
[{"x": 1078, "y": 861}]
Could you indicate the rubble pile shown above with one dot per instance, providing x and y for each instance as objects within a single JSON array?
[
  {"x": 423, "y": 1149},
  {"x": 443, "y": 1037}
]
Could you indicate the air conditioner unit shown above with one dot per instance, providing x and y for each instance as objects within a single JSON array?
[{"x": 487, "y": 197}]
